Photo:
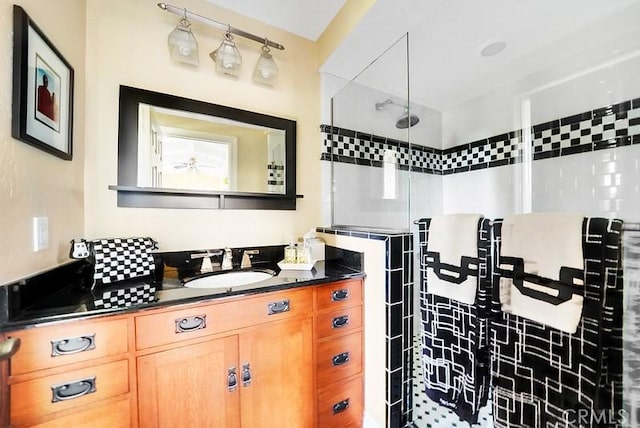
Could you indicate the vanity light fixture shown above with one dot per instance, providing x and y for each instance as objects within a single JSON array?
[
  {"x": 227, "y": 57},
  {"x": 266, "y": 70},
  {"x": 183, "y": 46}
]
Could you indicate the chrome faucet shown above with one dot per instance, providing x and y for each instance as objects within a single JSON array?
[
  {"x": 227, "y": 259},
  {"x": 206, "y": 266},
  {"x": 246, "y": 258}
]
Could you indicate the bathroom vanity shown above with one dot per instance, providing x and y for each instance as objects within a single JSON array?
[{"x": 283, "y": 352}]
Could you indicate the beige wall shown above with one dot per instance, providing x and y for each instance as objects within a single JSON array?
[
  {"x": 127, "y": 44},
  {"x": 32, "y": 182}
]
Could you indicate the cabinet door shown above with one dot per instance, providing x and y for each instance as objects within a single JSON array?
[
  {"x": 280, "y": 393},
  {"x": 188, "y": 386}
]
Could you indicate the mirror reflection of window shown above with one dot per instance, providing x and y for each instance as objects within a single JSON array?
[
  {"x": 197, "y": 164},
  {"x": 193, "y": 151}
]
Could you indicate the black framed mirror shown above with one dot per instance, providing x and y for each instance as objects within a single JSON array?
[{"x": 175, "y": 152}]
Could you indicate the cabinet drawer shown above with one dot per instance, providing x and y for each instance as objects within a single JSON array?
[
  {"x": 341, "y": 405},
  {"x": 338, "y": 358},
  {"x": 111, "y": 415},
  {"x": 54, "y": 346},
  {"x": 46, "y": 395},
  {"x": 340, "y": 321},
  {"x": 339, "y": 294},
  {"x": 184, "y": 324}
]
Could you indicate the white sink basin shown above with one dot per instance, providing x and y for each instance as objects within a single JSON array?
[{"x": 228, "y": 279}]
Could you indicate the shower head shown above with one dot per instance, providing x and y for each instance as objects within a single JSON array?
[{"x": 406, "y": 121}]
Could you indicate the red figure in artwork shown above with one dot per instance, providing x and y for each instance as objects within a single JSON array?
[{"x": 45, "y": 98}]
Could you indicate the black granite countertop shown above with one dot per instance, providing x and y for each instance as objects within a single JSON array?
[{"x": 65, "y": 293}]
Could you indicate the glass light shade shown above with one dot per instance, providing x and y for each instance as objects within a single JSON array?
[
  {"x": 227, "y": 58},
  {"x": 266, "y": 70},
  {"x": 183, "y": 46}
]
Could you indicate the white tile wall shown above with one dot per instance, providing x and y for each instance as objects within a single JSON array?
[
  {"x": 603, "y": 183},
  {"x": 358, "y": 192},
  {"x": 493, "y": 192}
]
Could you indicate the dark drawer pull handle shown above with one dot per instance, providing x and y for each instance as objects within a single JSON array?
[
  {"x": 340, "y": 359},
  {"x": 339, "y": 322},
  {"x": 278, "y": 307},
  {"x": 71, "y": 390},
  {"x": 341, "y": 406},
  {"x": 232, "y": 379},
  {"x": 187, "y": 324},
  {"x": 73, "y": 345},
  {"x": 339, "y": 295}
]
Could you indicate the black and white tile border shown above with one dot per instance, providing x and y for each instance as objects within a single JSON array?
[
  {"x": 608, "y": 127},
  {"x": 347, "y": 146},
  {"x": 399, "y": 316}
]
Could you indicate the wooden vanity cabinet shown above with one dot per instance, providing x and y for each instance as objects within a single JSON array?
[{"x": 290, "y": 358}]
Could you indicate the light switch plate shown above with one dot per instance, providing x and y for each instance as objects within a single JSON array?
[{"x": 40, "y": 233}]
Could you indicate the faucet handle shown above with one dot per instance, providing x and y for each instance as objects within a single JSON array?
[
  {"x": 246, "y": 258},
  {"x": 206, "y": 265},
  {"x": 206, "y": 254},
  {"x": 227, "y": 259}
]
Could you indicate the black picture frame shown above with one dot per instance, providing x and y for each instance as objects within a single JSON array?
[{"x": 42, "y": 104}]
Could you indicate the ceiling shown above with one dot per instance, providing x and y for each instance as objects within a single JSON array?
[
  {"x": 445, "y": 38},
  {"x": 306, "y": 18}
]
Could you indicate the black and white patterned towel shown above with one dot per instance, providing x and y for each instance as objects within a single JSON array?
[
  {"x": 119, "y": 259},
  {"x": 452, "y": 264},
  {"x": 545, "y": 377},
  {"x": 542, "y": 268},
  {"x": 454, "y": 335},
  {"x": 124, "y": 296}
]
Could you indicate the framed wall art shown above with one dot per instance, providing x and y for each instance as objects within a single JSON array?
[{"x": 42, "y": 111}]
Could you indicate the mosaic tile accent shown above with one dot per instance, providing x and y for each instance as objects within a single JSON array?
[
  {"x": 608, "y": 127},
  {"x": 399, "y": 313}
]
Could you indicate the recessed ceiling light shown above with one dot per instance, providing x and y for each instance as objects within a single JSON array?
[{"x": 493, "y": 48}]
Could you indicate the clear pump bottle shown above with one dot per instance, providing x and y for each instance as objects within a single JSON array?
[
  {"x": 290, "y": 253},
  {"x": 303, "y": 253}
]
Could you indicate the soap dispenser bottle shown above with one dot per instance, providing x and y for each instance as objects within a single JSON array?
[
  {"x": 290, "y": 253},
  {"x": 303, "y": 253}
]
